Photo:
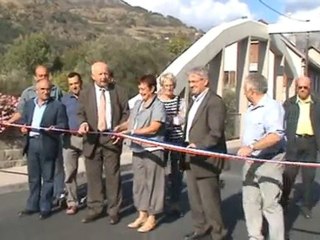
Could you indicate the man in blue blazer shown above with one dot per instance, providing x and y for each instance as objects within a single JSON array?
[{"x": 42, "y": 146}]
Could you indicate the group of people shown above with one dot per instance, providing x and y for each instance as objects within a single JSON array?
[
  {"x": 89, "y": 115},
  {"x": 288, "y": 132}
]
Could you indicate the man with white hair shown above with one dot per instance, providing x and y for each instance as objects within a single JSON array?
[{"x": 262, "y": 139}]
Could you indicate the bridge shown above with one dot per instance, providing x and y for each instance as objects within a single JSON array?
[{"x": 232, "y": 50}]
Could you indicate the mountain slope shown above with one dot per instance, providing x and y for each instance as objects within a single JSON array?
[{"x": 81, "y": 20}]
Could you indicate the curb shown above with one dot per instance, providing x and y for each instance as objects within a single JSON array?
[{"x": 81, "y": 179}]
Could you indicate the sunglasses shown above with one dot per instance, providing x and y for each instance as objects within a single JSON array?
[{"x": 303, "y": 87}]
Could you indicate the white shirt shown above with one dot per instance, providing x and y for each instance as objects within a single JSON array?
[
  {"x": 37, "y": 116},
  {"x": 197, "y": 100},
  {"x": 108, "y": 104}
]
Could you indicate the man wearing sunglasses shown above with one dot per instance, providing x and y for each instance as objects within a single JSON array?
[{"x": 302, "y": 114}]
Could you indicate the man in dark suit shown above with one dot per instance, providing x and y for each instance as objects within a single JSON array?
[
  {"x": 42, "y": 146},
  {"x": 103, "y": 106},
  {"x": 205, "y": 130}
]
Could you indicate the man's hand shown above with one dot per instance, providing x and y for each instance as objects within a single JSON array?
[
  {"x": 245, "y": 151},
  {"x": 5, "y": 122},
  {"x": 84, "y": 128},
  {"x": 117, "y": 128},
  {"x": 116, "y": 139},
  {"x": 50, "y": 128},
  {"x": 3, "y": 125},
  {"x": 191, "y": 145},
  {"x": 126, "y": 132},
  {"x": 24, "y": 130}
]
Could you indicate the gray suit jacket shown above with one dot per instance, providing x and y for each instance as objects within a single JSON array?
[
  {"x": 88, "y": 112},
  {"x": 207, "y": 133}
]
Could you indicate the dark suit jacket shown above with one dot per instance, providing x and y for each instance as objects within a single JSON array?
[
  {"x": 88, "y": 112},
  {"x": 292, "y": 112},
  {"x": 207, "y": 133},
  {"x": 54, "y": 115}
]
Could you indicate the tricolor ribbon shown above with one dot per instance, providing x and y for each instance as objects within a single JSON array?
[{"x": 173, "y": 147}]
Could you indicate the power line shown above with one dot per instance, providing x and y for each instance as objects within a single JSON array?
[{"x": 280, "y": 13}]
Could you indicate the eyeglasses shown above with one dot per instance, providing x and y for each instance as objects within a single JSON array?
[
  {"x": 195, "y": 81},
  {"x": 303, "y": 87}
]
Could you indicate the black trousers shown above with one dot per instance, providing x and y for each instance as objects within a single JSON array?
[
  {"x": 305, "y": 151},
  {"x": 175, "y": 175}
]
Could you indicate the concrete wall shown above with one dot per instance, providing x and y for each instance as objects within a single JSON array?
[{"x": 11, "y": 143}]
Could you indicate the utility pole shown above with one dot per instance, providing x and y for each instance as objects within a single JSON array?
[{"x": 306, "y": 68}]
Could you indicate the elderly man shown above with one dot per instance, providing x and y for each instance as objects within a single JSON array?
[
  {"x": 303, "y": 134},
  {"x": 42, "y": 73},
  {"x": 205, "y": 130},
  {"x": 103, "y": 106},
  {"x": 262, "y": 138},
  {"x": 43, "y": 114}
]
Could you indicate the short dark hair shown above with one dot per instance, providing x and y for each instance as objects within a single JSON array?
[
  {"x": 73, "y": 74},
  {"x": 150, "y": 80}
]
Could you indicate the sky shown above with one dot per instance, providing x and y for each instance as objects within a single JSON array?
[{"x": 204, "y": 14}]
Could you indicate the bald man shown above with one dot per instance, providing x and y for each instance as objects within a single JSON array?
[
  {"x": 103, "y": 106},
  {"x": 302, "y": 121},
  {"x": 42, "y": 146}
]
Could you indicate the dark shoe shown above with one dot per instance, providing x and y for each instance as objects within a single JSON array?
[
  {"x": 44, "y": 215},
  {"x": 306, "y": 212},
  {"x": 60, "y": 202},
  {"x": 26, "y": 212},
  {"x": 175, "y": 213},
  {"x": 195, "y": 236},
  {"x": 287, "y": 236},
  {"x": 91, "y": 217},
  {"x": 114, "y": 219}
]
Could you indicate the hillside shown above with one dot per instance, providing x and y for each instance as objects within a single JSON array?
[
  {"x": 83, "y": 20},
  {"x": 69, "y": 35}
]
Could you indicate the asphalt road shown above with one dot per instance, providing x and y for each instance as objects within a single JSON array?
[{"x": 60, "y": 227}]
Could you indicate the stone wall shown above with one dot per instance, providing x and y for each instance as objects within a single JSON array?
[{"x": 11, "y": 143}]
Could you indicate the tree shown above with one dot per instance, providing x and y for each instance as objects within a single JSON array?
[
  {"x": 178, "y": 44},
  {"x": 28, "y": 52},
  {"x": 60, "y": 79}
]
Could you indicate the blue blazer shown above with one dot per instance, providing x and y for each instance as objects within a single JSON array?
[{"x": 54, "y": 115}]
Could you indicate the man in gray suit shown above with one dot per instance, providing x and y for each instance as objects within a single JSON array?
[
  {"x": 103, "y": 106},
  {"x": 205, "y": 130}
]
